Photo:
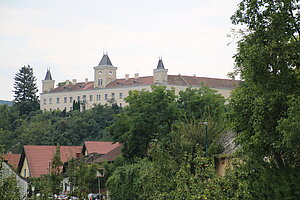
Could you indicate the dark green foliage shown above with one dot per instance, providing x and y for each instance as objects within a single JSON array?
[
  {"x": 149, "y": 116},
  {"x": 42, "y": 185},
  {"x": 82, "y": 177},
  {"x": 126, "y": 182},
  {"x": 200, "y": 103},
  {"x": 179, "y": 171},
  {"x": 76, "y": 105},
  {"x": 268, "y": 61},
  {"x": 25, "y": 91},
  {"x": 264, "y": 111},
  {"x": 51, "y": 128},
  {"x": 55, "y": 176}
]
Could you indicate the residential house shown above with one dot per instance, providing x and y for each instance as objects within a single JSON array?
[
  {"x": 12, "y": 159},
  {"x": 8, "y": 171},
  {"x": 98, "y": 147},
  {"x": 94, "y": 152},
  {"x": 36, "y": 159}
]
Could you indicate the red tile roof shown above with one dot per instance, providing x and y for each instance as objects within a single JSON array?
[
  {"x": 99, "y": 147},
  {"x": 74, "y": 87},
  {"x": 148, "y": 80},
  {"x": 112, "y": 155},
  {"x": 39, "y": 157},
  {"x": 196, "y": 81},
  {"x": 12, "y": 159}
]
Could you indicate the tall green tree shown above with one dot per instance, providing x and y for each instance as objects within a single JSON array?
[
  {"x": 25, "y": 90},
  {"x": 268, "y": 61},
  {"x": 55, "y": 176}
]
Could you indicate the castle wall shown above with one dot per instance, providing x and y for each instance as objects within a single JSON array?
[{"x": 64, "y": 100}]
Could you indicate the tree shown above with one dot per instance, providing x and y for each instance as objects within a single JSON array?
[
  {"x": 76, "y": 105},
  {"x": 125, "y": 183},
  {"x": 25, "y": 90},
  {"x": 55, "y": 176},
  {"x": 148, "y": 117},
  {"x": 268, "y": 62},
  {"x": 199, "y": 103},
  {"x": 81, "y": 177}
]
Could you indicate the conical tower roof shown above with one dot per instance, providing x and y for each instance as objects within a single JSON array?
[
  {"x": 105, "y": 60},
  {"x": 160, "y": 64},
  {"x": 48, "y": 75}
]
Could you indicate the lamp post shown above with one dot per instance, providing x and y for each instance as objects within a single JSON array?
[
  {"x": 206, "y": 143},
  {"x": 32, "y": 189},
  {"x": 99, "y": 174}
]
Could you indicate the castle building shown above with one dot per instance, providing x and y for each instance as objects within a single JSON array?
[{"x": 107, "y": 89}]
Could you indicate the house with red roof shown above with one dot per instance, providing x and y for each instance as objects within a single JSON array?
[
  {"x": 12, "y": 159},
  {"x": 99, "y": 147},
  {"x": 106, "y": 88},
  {"x": 35, "y": 160},
  {"x": 94, "y": 152}
]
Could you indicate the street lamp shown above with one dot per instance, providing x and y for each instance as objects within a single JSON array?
[
  {"x": 206, "y": 143},
  {"x": 32, "y": 189},
  {"x": 99, "y": 174}
]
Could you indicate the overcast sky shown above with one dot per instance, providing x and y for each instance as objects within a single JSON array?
[{"x": 70, "y": 36}]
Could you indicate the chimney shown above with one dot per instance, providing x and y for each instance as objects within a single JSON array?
[
  {"x": 126, "y": 77},
  {"x": 68, "y": 82},
  {"x": 86, "y": 80},
  {"x": 74, "y": 81},
  {"x": 136, "y": 75}
]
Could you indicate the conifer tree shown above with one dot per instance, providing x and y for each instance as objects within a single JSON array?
[{"x": 25, "y": 90}]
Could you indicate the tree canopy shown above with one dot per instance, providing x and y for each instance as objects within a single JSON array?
[
  {"x": 263, "y": 110},
  {"x": 151, "y": 115}
]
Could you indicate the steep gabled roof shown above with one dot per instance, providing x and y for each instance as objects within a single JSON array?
[
  {"x": 39, "y": 157},
  {"x": 112, "y": 155},
  {"x": 160, "y": 64},
  {"x": 105, "y": 60},
  {"x": 48, "y": 75},
  {"x": 99, "y": 147},
  {"x": 12, "y": 159}
]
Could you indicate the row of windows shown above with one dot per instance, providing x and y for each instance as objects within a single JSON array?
[
  {"x": 71, "y": 108},
  {"x": 84, "y": 98}
]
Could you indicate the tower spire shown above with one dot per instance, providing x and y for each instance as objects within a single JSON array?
[
  {"x": 160, "y": 64},
  {"x": 48, "y": 75}
]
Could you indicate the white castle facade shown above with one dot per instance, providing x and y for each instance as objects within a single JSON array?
[{"x": 107, "y": 89}]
